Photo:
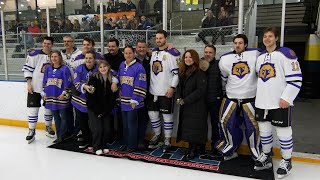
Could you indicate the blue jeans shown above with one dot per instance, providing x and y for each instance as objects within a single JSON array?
[
  {"x": 130, "y": 128},
  {"x": 61, "y": 118}
]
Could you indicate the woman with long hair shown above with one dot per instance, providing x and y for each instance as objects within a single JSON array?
[
  {"x": 57, "y": 83},
  {"x": 100, "y": 103},
  {"x": 192, "y": 100}
]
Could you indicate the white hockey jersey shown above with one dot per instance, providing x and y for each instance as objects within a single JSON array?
[
  {"x": 164, "y": 70},
  {"x": 238, "y": 72},
  {"x": 69, "y": 59},
  {"x": 36, "y": 64},
  {"x": 279, "y": 77}
]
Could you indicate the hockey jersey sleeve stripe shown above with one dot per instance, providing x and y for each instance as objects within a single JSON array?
[
  {"x": 28, "y": 66},
  {"x": 294, "y": 75},
  {"x": 295, "y": 85},
  {"x": 27, "y": 69}
]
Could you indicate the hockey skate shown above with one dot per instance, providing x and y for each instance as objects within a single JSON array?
[
  {"x": 229, "y": 157},
  {"x": 31, "y": 135},
  {"x": 284, "y": 168},
  {"x": 264, "y": 161},
  {"x": 155, "y": 142},
  {"x": 166, "y": 145},
  {"x": 50, "y": 132}
]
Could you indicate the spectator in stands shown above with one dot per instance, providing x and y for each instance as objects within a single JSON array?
[
  {"x": 208, "y": 22},
  {"x": 134, "y": 23},
  {"x": 95, "y": 21},
  {"x": 35, "y": 30},
  {"x": 229, "y": 6},
  {"x": 215, "y": 7},
  {"x": 130, "y": 6},
  {"x": 106, "y": 24},
  {"x": 223, "y": 20},
  {"x": 76, "y": 25},
  {"x": 123, "y": 20},
  {"x": 112, "y": 6},
  {"x": 103, "y": 6},
  {"x": 157, "y": 7},
  {"x": 310, "y": 15},
  {"x": 143, "y": 8},
  {"x": 68, "y": 26},
  {"x": 85, "y": 27},
  {"x": 191, "y": 93},
  {"x": 60, "y": 27},
  {"x": 144, "y": 23}
]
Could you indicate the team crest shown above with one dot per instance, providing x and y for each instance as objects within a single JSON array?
[
  {"x": 44, "y": 66},
  {"x": 240, "y": 69},
  {"x": 267, "y": 71},
  {"x": 157, "y": 67},
  {"x": 143, "y": 77}
]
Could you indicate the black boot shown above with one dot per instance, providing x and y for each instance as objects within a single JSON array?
[
  {"x": 202, "y": 149},
  {"x": 192, "y": 151}
]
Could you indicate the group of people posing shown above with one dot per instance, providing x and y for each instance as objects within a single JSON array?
[{"x": 114, "y": 96}]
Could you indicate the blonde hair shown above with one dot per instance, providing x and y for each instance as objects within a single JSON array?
[{"x": 109, "y": 75}]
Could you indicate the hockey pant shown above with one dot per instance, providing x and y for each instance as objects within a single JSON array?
[{"x": 230, "y": 132}]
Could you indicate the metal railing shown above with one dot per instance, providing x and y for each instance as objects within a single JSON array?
[
  {"x": 178, "y": 24},
  {"x": 250, "y": 20},
  {"x": 318, "y": 22},
  {"x": 16, "y": 51}
]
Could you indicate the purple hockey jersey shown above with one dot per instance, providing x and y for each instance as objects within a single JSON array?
[
  {"x": 133, "y": 83},
  {"x": 55, "y": 82},
  {"x": 81, "y": 77}
]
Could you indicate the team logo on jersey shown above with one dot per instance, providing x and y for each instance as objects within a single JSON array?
[
  {"x": 267, "y": 71},
  {"x": 157, "y": 67},
  {"x": 240, "y": 69},
  {"x": 44, "y": 66},
  {"x": 127, "y": 80}
]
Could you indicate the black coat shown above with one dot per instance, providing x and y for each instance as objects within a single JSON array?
[
  {"x": 101, "y": 101},
  {"x": 114, "y": 60},
  {"x": 193, "y": 126}
]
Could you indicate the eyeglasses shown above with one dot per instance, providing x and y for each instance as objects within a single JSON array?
[{"x": 67, "y": 41}]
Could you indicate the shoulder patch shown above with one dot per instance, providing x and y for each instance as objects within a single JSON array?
[
  {"x": 99, "y": 56},
  {"x": 155, "y": 49},
  {"x": 254, "y": 49},
  {"x": 34, "y": 52},
  {"x": 80, "y": 56},
  {"x": 173, "y": 51},
  {"x": 289, "y": 53},
  {"x": 231, "y": 52}
]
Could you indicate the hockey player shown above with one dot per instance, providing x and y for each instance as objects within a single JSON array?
[
  {"x": 163, "y": 81},
  {"x": 57, "y": 84},
  {"x": 238, "y": 75},
  {"x": 36, "y": 63},
  {"x": 279, "y": 83}
]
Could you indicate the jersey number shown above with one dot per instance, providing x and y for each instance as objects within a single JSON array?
[{"x": 295, "y": 66}]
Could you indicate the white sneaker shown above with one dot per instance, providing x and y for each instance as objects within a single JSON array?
[
  {"x": 105, "y": 151},
  {"x": 99, "y": 152}
]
